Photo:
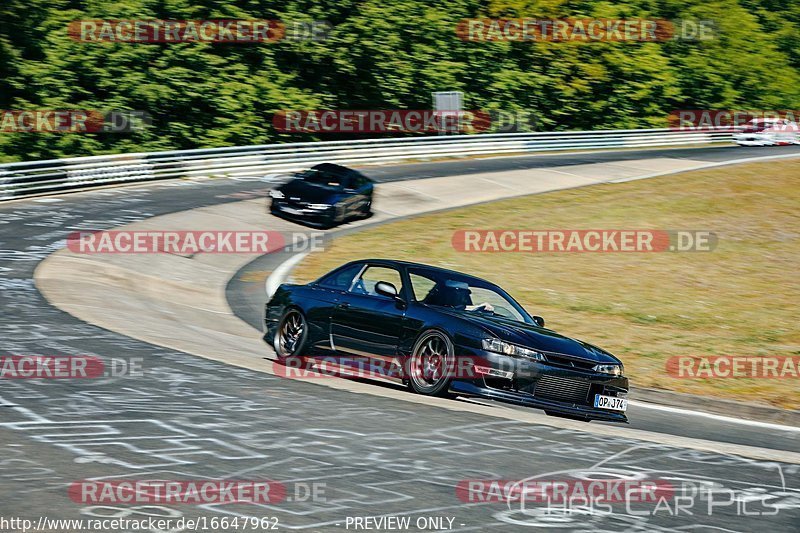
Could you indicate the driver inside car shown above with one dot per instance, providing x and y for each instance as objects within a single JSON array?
[
  {"x": 461, "y": 299},
  {"x": 483, "y": 306}
]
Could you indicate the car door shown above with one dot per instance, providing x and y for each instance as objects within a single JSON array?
[
  {"x": 367, "y": 323},
  {"x": 330, "y": 291}
]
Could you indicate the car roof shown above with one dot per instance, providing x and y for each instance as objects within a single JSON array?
[
  {"x": 407, "y": 264},
  {"x": 339, "y": 170}
]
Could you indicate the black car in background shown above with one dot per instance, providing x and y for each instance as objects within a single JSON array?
[
  {"x": 326, "y": 195},
  {"x": 443, "y": 332}
]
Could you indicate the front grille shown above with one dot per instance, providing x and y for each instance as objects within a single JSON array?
[
  {"x": 562, "y": 389},
  {"x": 566, "y": 361}
]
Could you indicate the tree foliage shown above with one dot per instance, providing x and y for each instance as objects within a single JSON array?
[{"x": 382, "y": 54}]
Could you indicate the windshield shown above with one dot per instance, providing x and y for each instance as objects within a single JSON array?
[
  {"x": 761, "y": 125},
  {"x": 321, "y": 178},
  {"x": 464, "y": 293}
]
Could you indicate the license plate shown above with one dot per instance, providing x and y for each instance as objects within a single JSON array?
[
  {"x": 610, "y": 402},
  {"x": 291, "y": 210}
]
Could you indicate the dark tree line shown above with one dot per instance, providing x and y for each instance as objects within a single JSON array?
[{"x": 382, "y": 54}]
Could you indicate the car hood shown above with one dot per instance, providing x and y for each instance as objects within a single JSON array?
[
  {"x": 532, "y": 336},
  {"x": 307, "y": 192}
]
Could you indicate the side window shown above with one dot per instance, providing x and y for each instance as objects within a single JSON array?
[
  {"x": 340, "y": 279},
  {"x": 374, "y": 274},
  {"x": 421, "y": 286}
]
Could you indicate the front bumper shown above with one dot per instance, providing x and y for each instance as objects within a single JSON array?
[
  {"x": 283, "y": 209},
  {"x": 555, "y": 388}
]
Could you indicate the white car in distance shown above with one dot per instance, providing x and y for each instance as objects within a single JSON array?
[{"x": 767, "y": 132}]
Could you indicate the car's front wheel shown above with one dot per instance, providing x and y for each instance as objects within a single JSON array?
[
  {"x": 366, "y": 209},
  {"x": 431, "y": 363},
  {"x": 335, "y": 217},
  {"x": 291, "y": 335}
]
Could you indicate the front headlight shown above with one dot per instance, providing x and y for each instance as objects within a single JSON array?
[
  {"x": 319, "y": 207},
  {"x": 275, "y": 193},
  {"x": 506, "y": 348},
  {"x": 613, "y": 370}
]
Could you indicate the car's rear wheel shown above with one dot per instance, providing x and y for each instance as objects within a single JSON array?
[
  {"x": 291, "y": 335},
  {"x": 430, "y": 364}
]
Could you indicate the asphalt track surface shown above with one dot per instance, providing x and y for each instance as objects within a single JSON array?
[{"x": 191, "y": 418}]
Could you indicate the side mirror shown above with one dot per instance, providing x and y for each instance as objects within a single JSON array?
[
  {"x": 539, "y": 320},
  {"x": 384, "y": 288}
]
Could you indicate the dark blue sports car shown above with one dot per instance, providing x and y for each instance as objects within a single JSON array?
[
  {"x": 324, "y": 195},
  {"x": 442, "y": 332}
]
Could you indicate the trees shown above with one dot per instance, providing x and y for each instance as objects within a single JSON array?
[{"x": 381, "y": 54}]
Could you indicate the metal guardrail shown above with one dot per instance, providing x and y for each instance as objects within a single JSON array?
[{"x": 18, "y": 180}]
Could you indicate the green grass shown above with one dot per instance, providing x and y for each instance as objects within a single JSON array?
[{"x": 740, "y": 299}]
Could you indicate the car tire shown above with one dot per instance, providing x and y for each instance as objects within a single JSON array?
[
  {"x": 291, "y": 336},
  {"x": 335, "y": 217},
  {"x": 430, "y": 364},
  {"x": 341, "y": 214}
]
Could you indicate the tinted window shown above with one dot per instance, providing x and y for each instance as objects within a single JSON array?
[
  {"x": 374, "y": 274},
  {"x": 347, "y": 182},
  {"x": 340, "y": 279},
  {"x": 421, "y": 285}
]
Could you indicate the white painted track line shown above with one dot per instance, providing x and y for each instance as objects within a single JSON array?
[{"x": 720, "y": 418}]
